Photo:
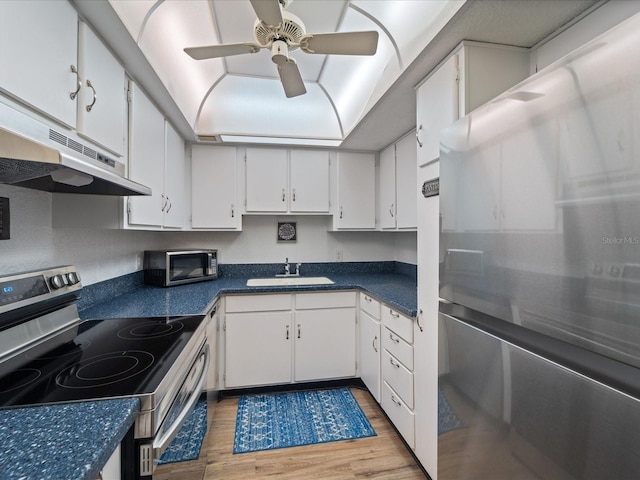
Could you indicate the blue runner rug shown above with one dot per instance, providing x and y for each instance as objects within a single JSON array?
[
  {"x": 278, "y": 420},
  {"x": 186, "y": 445}
]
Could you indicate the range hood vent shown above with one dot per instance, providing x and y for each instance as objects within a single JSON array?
[{"x": 33, "y": 155}]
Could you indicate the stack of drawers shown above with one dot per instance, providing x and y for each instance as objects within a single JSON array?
[{"x": 397, "y": 372}]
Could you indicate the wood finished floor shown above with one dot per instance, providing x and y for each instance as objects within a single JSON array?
[{"x": 383, "y": 456}]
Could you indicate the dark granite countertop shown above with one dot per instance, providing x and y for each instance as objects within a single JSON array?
[
  {"x": 396, "y": 290},
  {"x": 70, "y": 441}
]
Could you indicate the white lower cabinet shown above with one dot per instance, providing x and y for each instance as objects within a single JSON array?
[
  {"x": 112, "y": 469},
  {"x": 370, "y": 345},
  {"x": 212, "y": 340},
  {"x": 276, "y": 339}
]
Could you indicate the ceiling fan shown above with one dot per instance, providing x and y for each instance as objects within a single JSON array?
[{"x": 282, "y": 32}]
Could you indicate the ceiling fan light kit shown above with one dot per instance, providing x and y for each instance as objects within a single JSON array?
[{"x": 281, "y": 32}]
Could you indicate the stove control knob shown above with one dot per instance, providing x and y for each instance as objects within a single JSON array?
[
  {"x": 72, "y": 278},
  {"x": 57, "y": 281}
]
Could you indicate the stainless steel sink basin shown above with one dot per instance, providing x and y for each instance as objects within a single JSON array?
[{"x": 285, "y": 281}]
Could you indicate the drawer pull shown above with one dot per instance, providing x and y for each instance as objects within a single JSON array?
[
  {"x": 394, "y": 314},
  {"x": 397, "y": 340},
  {"x": 397, "y": 402},
  {"x": 287, "y": 332},
  {"x": 298, "y": 330},
  {"x": 374, "y": 343},
  {"x": 397, "y": 365},
  {"x": 368, "y": 299}
]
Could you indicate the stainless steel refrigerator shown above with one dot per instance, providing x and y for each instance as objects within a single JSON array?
[{"x": 540, "y": 274}]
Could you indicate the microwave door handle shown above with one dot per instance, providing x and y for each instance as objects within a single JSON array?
[
  {"x": 161, "y": 444},
  {"x": 209, "y": 270}
]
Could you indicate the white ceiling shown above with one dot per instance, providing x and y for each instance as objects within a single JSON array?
[{"x": 354, "y": 102}]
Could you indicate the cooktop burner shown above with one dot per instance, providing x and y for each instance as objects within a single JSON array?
[{"x": 107, "y": 358}]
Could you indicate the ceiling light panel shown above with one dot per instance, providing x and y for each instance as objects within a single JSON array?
[
  {"x": 242, "y": 105},
  {"x": 173, "y": 26}
]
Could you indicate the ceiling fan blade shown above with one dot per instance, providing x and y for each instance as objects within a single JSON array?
[
  {"x": 341, "y": 43},
  {"x": 268, "y": 11},
  {"x": 225, "y": 50},
  {"x": 291, "y": 79}
]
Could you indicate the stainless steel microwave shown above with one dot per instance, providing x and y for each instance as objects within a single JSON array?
[{"x": 166, "y": 268}]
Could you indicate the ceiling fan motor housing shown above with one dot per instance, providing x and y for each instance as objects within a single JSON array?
[{"x": 290, "y": 32}]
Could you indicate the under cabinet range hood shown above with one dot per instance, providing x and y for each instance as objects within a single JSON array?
[{"x": 33, "y": 155}]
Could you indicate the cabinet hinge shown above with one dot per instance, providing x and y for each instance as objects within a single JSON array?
[{"x": 128, "y": 95}]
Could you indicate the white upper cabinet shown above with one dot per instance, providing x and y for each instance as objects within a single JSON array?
[
  {"x": 39, "y": 49},
  {"x": 156, "y": 159},
  {"x": 213, "y": 188},
  {"x": 474, "y": 74},
  {"x": 397, "y": 185},
  {"x": 355, "y": 206},
  {"x": 309, "y": 180},
  {"x": 387, "y": 179},
  {"x": 102, "y": 99},
  {"x": 266, "y": 180},
  {"x": 282, "y": 181}
]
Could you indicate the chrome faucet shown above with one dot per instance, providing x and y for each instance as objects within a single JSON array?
[{"x": 287, "y": 268}]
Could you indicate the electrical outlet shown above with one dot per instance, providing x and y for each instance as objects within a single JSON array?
[{"x": 338, "y": 255}]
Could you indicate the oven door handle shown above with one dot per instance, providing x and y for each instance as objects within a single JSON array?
[{"x": 161, "y": 444}]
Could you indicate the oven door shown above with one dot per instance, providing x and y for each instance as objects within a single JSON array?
[{"x": 188, "y": 395}]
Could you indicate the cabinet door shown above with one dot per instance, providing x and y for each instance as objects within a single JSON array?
[
  {"x": 370, "y": 347},
  {"x": 309, "y": 174},
  {"x": 146, "y": 159},
  {"x": 102, "y": 100},
  {"x": 356, "y": 191},
  {"x": 325, "y": 344},
  {"x": 437, "y": 108},
  {"x": 213, "y": 187},
  {"x": 38, "y": 46},
  {"x": 257, "y": 348},
  {"x": 406, "y": 189},
  {"x": 175, "y": 212},
  {"x": 387, "y": 181},
  {"x": 266, "y": 177}
]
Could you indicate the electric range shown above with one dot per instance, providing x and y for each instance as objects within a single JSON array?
[{"x": 48, "y": 355}]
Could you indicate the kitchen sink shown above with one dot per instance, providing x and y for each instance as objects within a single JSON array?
[{"x": 285, "y": 281}]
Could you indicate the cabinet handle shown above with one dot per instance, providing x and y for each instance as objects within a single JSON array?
[
  {"x": 394, "y": 314},
  {"x": 418, "y": 320},
  {"x": 391, "y": 210},
  {"x": 293, "y": 194},
  {"x": 90, "y": 106},
  {"x": 397, "y": 402},
  {"x": 170, "y": 205},
  {"x": 375, "y": 340},
  {"x": 396, "y": 340},
  {"x": 164, "y": 202},
  {"x": 495, "y": 213},
  {"x": 418, "y": 136},
  {"x": 283, "y": 195},
  {"x": 233, "y": 211},
  {"x": 100, "y": 477},
  {"x": 298, "y": 330},
  {"x": 340, "y": 211},
  {"x": 397, "y": 365},
  {"x": 287, "y": 332},
  {"x": 73, "y": 95}
]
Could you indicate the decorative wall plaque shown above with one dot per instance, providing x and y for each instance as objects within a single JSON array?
[
  {"x": 431, "y": 187},
  {"x": 287, "y": 231}
]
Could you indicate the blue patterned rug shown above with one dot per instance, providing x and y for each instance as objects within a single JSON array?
[
  {"x": 290, "y": 419},
  {"x": 447, "y": 417},
  {"x": 186, "y": 445}
]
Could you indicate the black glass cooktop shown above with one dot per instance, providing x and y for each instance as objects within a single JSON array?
[{"x": 106, "y": 358}]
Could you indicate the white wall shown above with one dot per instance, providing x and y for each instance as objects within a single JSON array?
[{"x": 100, "y": 254}]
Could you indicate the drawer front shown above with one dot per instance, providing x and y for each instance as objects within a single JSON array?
[
  {"x": 398, "y": 323},
  {"x": 398, "y": 377},
  {"x": 397, "y": 347},
  {"x": 400, "y": 415},
  {"x": 257, "y": 303},
  {"x": 312, "y": 301},
  {"x": 370, "y": 305}
]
